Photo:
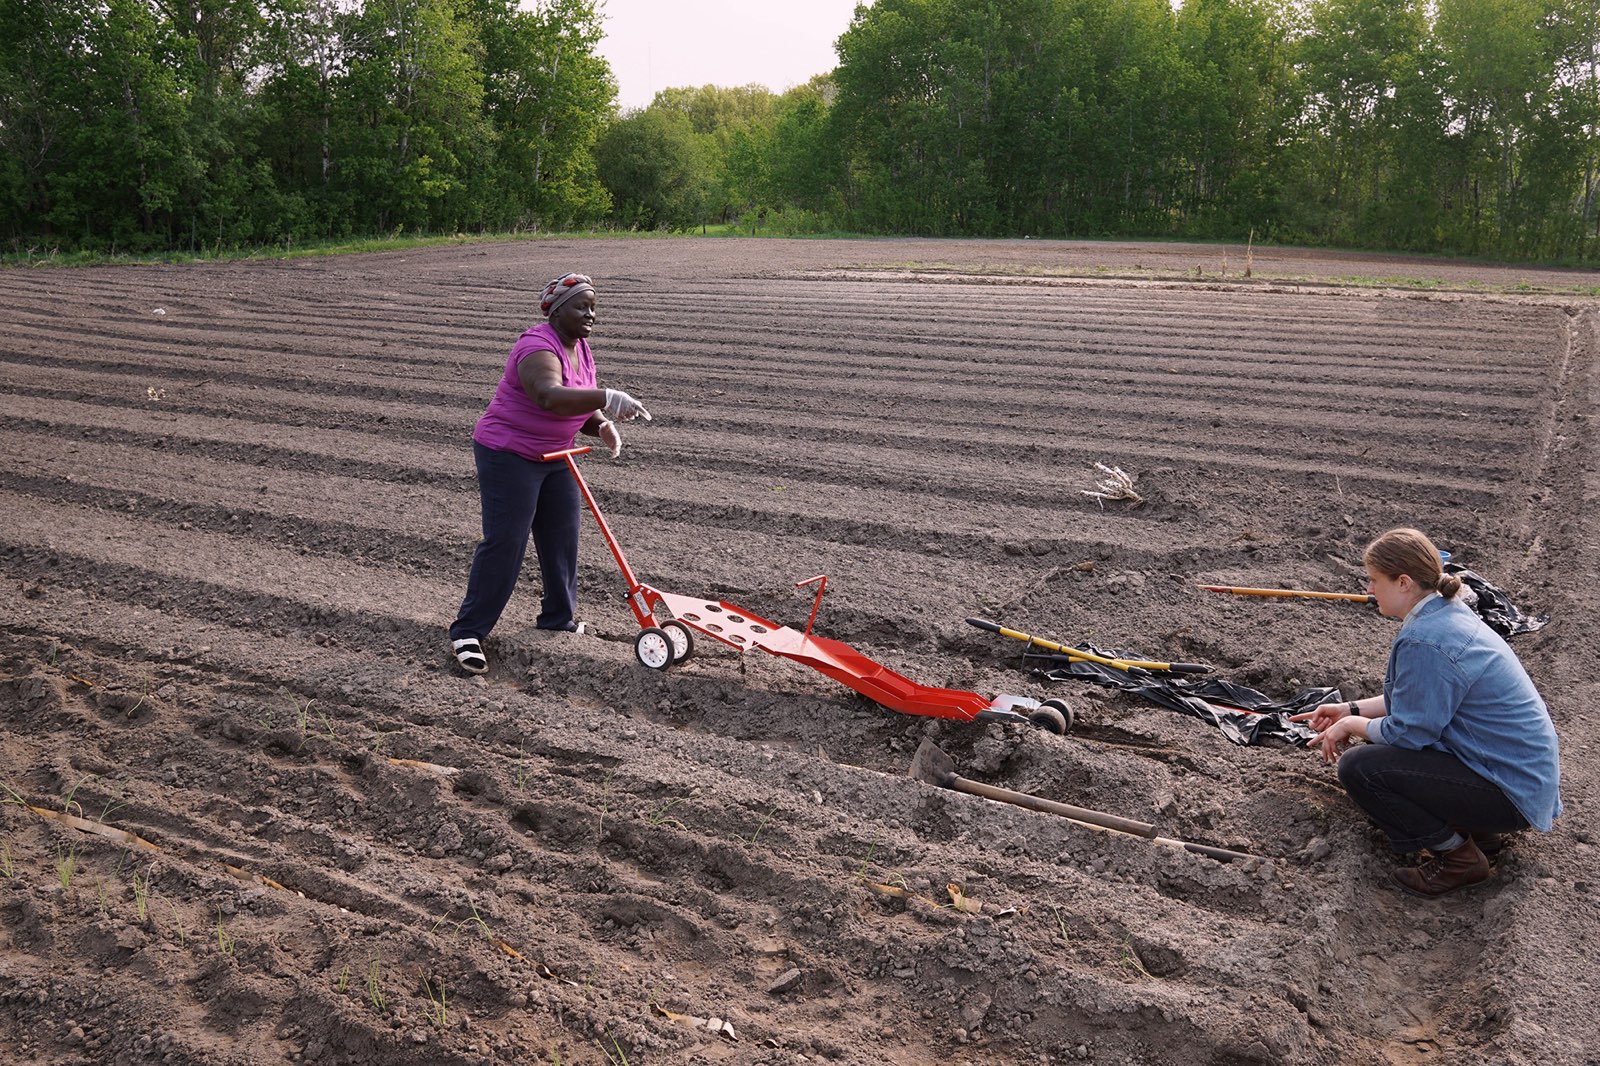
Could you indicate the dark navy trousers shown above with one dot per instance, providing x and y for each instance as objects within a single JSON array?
[
  {"x": 1420, "y": 798},
  {"x": 520, "y": 497}
]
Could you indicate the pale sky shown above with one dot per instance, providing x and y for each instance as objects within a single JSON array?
[{"x": 661, "y": 44}]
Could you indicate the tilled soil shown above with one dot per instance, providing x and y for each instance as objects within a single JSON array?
[{"x": 239, "y": 507}]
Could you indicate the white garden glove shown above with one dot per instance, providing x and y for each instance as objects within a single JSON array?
[
  {"x": 611, "y": 437},
  {"x": 620, "y": 407}
]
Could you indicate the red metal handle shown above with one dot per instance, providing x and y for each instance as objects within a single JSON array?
[
  {"x": 821, "y": 581},
  {"x": 643, "y": 609}
]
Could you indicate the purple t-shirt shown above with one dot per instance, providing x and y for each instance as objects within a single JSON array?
[{"x": 513, "y": 422}]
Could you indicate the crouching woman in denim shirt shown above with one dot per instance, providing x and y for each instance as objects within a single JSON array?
[{"x": 1460, "y": 743}]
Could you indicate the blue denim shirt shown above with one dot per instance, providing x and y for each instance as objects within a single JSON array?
[{"x": 1454, "y": 685}]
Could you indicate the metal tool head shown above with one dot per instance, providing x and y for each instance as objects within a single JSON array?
[{"x": 931, "y": 765}]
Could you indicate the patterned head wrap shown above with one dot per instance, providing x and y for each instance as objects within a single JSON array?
[{"x": 563, "y": 289}]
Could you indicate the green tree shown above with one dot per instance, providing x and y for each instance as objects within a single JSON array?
[
  {"x": 908, "y": 88},
  {"x": 301, "y": 58},
  {"x": 1494, "y": 76},
  {"x": 1573, "y": 122},
  {"x": 1044, "y": 116},
  {"x": 40, "y": 95},
  {"x": 229, "y": 197},
  {"x": 733, "y": 126},
  {"x": 410, "y": 117},
  {"x": 1239, "y": 103},
  {"x": 803, "y": 163},
  {"x": 1519, "y": 83},
  {"x": 549, "y": 95},
  {"x": 717, "y": 112},
  {"x": 653, "y": 165},
  {"x": 127, "y": 158},
  {"x": 1372, "y": 122}
]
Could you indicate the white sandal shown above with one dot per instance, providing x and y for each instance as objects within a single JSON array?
[{"x": 469, "y": 653}]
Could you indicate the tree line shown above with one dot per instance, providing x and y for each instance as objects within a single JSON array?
[
  {"x": 156, "y": 124},
  {"x": 1459, "y": 126}
]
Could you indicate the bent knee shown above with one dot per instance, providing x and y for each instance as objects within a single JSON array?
[{"x": 1355, "y": 763}]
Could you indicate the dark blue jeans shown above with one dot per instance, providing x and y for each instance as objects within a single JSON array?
[
  {"x": 520, "y": 497},
  {"x": 1420, "y": 798}
]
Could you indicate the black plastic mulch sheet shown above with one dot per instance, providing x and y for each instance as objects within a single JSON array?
[
  {"x": 1494, "y": 606},
  {"x": 1244, "y": 715}
]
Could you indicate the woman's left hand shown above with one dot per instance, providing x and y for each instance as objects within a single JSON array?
[
  {"x": 620, "y": 407},
  {"x": 611, "y": 437},
  {"x": 1337, "y": 737}
]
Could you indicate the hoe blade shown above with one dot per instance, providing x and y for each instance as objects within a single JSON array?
[{"x": 932, "y": 765}]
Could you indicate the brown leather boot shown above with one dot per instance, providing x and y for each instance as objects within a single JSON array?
[
  {"x": 1491, "y": 844},
  {"x": 1461, "y": 868}
]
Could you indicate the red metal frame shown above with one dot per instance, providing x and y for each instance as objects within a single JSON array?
[
  {"x": 734, "y": 626},
  {"x": 821, "y": 581}
]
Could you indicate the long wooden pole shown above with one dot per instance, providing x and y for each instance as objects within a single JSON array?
[{"x": 1352, "y": 597}]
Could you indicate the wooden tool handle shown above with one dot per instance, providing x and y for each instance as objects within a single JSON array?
[
  {"x": 1352, "y": 597},
  {"x": 1066, "y": 810},
  {"x": 1220, "y": 854}
]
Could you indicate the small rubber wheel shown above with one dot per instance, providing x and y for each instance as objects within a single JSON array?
[
  {"x": 1052, "y": 715},
  {"x": 654, "y": 648},
  {"x": 682, "y": 640}
]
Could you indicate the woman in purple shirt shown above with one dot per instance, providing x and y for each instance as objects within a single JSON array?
[
  {"x": 1460, "y": 743},
  {"x": 546, "y": 396}
]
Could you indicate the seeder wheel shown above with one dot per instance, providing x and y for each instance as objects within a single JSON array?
[
  {"x": 654, "y": 648},
  {"x": 682, "y": 639},
  {"x": 1052, "y": 715}
]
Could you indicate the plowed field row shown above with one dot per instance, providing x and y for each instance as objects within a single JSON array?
[{"x": 235, "y": 532}]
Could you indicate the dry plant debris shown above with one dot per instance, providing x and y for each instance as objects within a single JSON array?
[
  {"x": 720, "y": 1026},
  {"x": 1115, "y": 485}
]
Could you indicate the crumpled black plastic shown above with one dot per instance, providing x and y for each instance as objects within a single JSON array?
[
  {"x": 1207, "y": 699},
  {"x": 1494, "y": 606}
]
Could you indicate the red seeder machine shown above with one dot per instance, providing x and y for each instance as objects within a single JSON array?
[{"x": 668, "y": 622}]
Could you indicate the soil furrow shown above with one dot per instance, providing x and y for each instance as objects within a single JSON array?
[
  {"x": 337, "y": 448},
  {"x": 811, "y": 411},
  {"x": 236, "y": 530}
]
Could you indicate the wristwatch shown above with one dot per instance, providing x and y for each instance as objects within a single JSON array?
[{"x": 1354, "y": 710}]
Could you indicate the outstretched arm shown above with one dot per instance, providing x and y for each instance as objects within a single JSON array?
[
  {"x": 539, "y": 373},
  {"x": 540, "y": 376}
]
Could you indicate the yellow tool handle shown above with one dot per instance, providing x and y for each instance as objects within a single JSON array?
[{"x": 1089, "y": 656}]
